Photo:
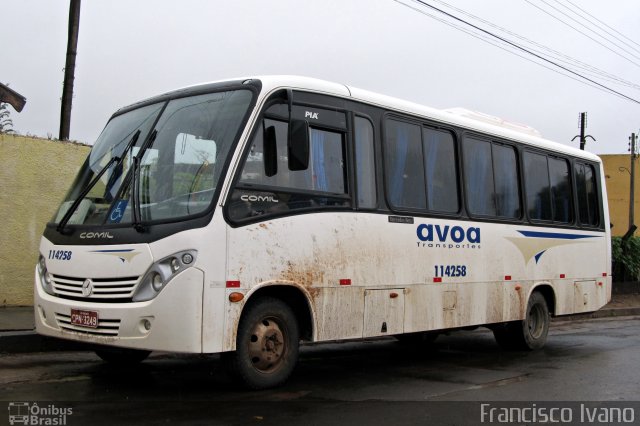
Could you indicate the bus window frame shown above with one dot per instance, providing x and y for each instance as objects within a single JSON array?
[
  {"x": 599, "y": 200},
  {"x": 346, "y": 134},
  {"x": 523, "y": 219},
  {"x": 354, "y": 163},
  {"x": 573, "y": 224},
  {"x": 390, "y": 115}
]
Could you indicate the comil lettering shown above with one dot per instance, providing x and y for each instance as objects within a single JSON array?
[
  {"x": 309, "y": 114},
  {"x": 88, "y": 235},
  {"x": 261, "y": 198},
  {"x": 442, "y": 233}
]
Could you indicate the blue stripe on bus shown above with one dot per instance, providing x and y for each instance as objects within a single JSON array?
[
  {"x": 112, "y": 251},
  {"x": 539, "y": 255},
  {"x": 537, "y": 234}
]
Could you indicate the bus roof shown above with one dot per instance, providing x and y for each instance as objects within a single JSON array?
[{"x": 470, "y": 120}]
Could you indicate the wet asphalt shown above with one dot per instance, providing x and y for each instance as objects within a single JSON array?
[{"x": 371, "y": 382}]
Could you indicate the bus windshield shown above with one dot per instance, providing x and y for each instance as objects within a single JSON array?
[{"x": 180, "y": 146}]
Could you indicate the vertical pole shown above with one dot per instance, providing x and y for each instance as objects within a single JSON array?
[
  {"x": 69, "y": 69},
  {"x": 632, "y": 182},
  {"x": 583, "y": 125}
]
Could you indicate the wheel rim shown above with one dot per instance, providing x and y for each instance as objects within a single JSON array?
[
  {"x": 267, "y": 345},
  {"x": 536, "y": 321}
]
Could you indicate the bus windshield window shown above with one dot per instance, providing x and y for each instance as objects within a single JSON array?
[{"x": 180, "y": 169}]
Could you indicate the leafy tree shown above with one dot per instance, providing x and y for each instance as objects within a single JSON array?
[{"x": 6, "y": 124}]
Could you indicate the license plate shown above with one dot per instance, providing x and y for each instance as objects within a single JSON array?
[{"x": 84, "y": 318}]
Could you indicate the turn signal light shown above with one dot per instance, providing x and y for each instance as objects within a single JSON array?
[{"x": 235, "y": 297}]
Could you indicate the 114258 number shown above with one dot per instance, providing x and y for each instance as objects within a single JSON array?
[
  {"x": 450, "y": 270},
  {"x": 60, "y": 254}
]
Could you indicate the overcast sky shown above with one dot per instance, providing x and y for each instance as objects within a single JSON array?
[{"x": 131, "y": 50}]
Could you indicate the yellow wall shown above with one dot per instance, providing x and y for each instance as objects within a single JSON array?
[
  {"x": 618, "y": 181},
  {"x": 35, "y": 175}
]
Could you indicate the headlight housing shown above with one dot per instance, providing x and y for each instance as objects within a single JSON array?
[
  {"x": 161, "y": 273},
  {"x": 44, "y": 276}
]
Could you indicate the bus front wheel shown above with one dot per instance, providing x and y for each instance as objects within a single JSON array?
[
  {"x": 530, "y": 333},
  {"x": 266, "y": 345}
]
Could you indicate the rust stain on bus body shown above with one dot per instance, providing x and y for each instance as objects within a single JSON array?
[
  {"x": 309, "y": 277},
  {"x": 522, "y": 299}
]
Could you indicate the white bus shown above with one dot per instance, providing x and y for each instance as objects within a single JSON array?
[{"x": 242, "y": 217}]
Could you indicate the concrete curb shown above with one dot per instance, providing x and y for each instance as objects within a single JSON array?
[{"x": 19, "y": 342}]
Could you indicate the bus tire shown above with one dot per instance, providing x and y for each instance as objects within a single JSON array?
[
  {"x": 530, "y": 333},
  {"x": 266, "y": 345},
  {"x": 121, "y": 356}
]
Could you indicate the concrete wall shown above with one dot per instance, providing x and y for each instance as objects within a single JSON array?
[
  {"x": 35, "y": 174},
  {"x": 617, "y": 176}
]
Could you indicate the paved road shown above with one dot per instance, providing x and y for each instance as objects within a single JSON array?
[{"x": 372, "y": 382}]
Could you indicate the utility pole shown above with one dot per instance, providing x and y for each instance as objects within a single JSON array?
[
  {"x": 69, "y": 69},
  {"x": 583, "y": 126},
  {"x": 633, "y": 149}
]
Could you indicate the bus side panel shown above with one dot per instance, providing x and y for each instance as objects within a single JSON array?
[
  {"x": 442, "y": 306},
  {"x": 450, "y": 273},
  {"x": 316, "y": 252}
]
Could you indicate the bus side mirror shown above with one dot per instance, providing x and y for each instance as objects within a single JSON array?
[
  {"x": 270, "y": 151},
  {"x": 298, "y": 145}
]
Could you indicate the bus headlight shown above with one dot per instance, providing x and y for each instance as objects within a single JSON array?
[
  {"x": 161, "y": 273},
  {"x": 44, "y": 275}
]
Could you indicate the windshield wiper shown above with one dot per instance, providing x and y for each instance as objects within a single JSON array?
[
  {"x": 135, "y": 193},
  {"x": 115, "y": 159}
]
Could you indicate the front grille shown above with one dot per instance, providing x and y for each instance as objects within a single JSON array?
[
  {"x": 105, "y": 327},
  {"x": 105, "y": 289}
]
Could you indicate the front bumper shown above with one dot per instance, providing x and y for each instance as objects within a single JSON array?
[{"x": 175, "y": 316}]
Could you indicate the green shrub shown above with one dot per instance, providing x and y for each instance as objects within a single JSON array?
[{"x": 626, "y": 259}]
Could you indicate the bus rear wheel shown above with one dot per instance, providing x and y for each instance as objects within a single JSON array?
[
  {"x": 530, "y": 333},
  {"x": 266, "y": 345}
]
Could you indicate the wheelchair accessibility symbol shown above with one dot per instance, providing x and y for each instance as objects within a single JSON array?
[{"x": 118, "y": 211}]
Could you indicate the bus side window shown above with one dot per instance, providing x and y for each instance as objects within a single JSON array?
[
  {"x": 560, "y": 190},
  {"x": 479, "y": 180},
  {"x": 548, "y": 188},
  {"x": 505, "y": 166},
  {"x": 405, "y": 166},
  {"x": 441, "y": 171},
  {"x": 537, "y": 186},
  {"x": 365, "y": 164},
  {"x": 321, "y": 184},
  {"x": 587, "y": 195},
  {"x": 491, "y": 178}
]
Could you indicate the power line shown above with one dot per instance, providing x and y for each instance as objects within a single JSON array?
[
  {"x": 553, "y": 53},
  {"x": 589, "y": 28},
  {"x": 523, "y": 49},
  {"x": 489, "y": 40},
  {"x": 603, "y": 23},
  {"x": 584, "y": 34},
  {"x": 595, "y": 24}
]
